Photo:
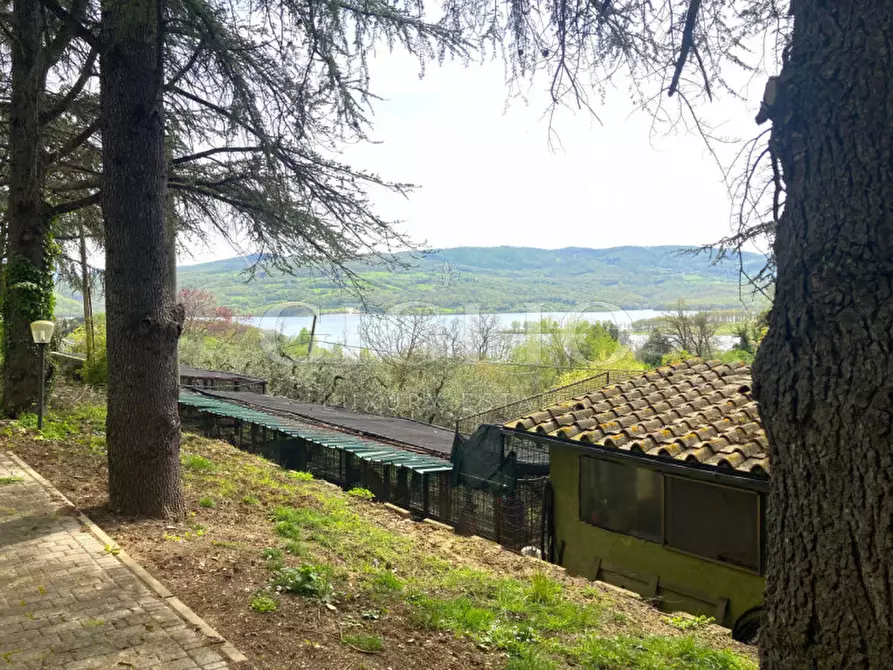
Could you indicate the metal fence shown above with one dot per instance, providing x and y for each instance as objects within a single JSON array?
[
  {"x": 514, "y": 520},
  {"x": 220, "y": 380},
  {"x": 498, "y": 415}
]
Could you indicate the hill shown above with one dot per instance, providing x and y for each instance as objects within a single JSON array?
[{"x": 498, "y": 279}]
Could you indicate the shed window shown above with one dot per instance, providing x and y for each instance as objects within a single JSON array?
[
  {"x": 715, "y": 522},
  {"x": 621, "y": 498}
]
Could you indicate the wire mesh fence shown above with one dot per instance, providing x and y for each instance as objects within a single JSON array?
[
  {"x": 498, "y": 415},
  {"x": 514, "y": 519}
]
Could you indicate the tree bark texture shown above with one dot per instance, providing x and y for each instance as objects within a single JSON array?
[
  {"x": 25, "y": 296},
  {"x": 824, "y": 373},
  {"x": 143, "y": 428}
]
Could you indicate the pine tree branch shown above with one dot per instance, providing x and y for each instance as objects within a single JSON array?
[
  {"x": 75, "y": 142},
  {"x": 61, "y": 106},
  {"x": 77, "y": 28},
  {"x": 73, "y": 205},
  {"x": 210, "y": 152},
  {"x": 687, "y": 41}
]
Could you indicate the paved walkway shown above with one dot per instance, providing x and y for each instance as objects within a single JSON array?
[{"x": 69, "y": 600}]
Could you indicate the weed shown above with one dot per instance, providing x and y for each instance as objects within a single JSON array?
[
  {"x": 10, "y": 480},
  {"x": 314, "y": 581},
  {"x": 542, "y": 589},
  {"x": 196, "y": 463},
  {"x": 682, "y": 622},
  {"x": 299, "y": 476},
  {"x": 210, "y": 503},
  {"x": 456, "y": 614},
  {"x": 273, "y": 558},
  {"x": 364, "y": 494},
  {"x": 369, "y": 644},
  {"x": 112, "y": 549},
  {"x": 272, "y": 554},
  {"x": 296, "y": 548},
  {"x": 386, "y": 582},
  {"x": 251, "y": 500},
  {"x": 529, "y": 658},
  {"x": 262, "y": 602},
  {"x": 92, "y": 623}
]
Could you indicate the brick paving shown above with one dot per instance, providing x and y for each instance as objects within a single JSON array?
[{"x": 67, "y": 601}]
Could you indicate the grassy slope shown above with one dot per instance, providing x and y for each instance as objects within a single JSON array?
[
  {"x": 502, "y": 279},
  {"x": 368, "y": 584}
]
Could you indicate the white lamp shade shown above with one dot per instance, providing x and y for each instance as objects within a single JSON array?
[{"x": 42, "y": 331}]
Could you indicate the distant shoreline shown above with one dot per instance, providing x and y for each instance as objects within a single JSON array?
[{"x": 545, "y": 309}]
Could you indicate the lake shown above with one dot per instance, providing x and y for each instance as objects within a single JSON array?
[{"x": 343, "y": 329}]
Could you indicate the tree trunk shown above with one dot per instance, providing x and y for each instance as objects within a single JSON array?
[
  {"x": 143, "y": 428},
  {"x": 824, "y": 374},
  {"x": 87, "y": 293},
  {"x": 28, "y": 284}
]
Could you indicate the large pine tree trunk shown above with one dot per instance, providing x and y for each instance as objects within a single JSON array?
[
  {"x": 143, "y": 429},
  {"x": 824, "y": 374},
  {"x": 25, "y": 296}
]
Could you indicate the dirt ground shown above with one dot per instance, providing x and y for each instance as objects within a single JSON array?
[{"x": 217, "y": 573}]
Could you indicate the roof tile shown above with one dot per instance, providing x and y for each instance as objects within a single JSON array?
[{"x": 694, "y": 411}]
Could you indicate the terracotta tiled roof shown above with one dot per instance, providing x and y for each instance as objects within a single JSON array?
[{"x": 694, "y": 411}]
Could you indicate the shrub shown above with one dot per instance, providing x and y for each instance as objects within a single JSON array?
[{"x": 307, "y": 580}]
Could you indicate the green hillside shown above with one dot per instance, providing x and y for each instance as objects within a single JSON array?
[{"x": 497, "y": 279}]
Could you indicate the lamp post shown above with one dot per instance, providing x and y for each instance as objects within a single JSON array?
[{"x": 42, "y": 333}]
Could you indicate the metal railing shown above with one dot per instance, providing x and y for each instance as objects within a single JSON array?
[{"x": 468, "y": 424}]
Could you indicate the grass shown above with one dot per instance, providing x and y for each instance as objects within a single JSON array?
[
  {"x": 83, "y": 424},
  {"x": 327, "y": 546},
  {"x": 535, "y": 622},
  {"x": 653, "y": 651},
  {"x": 196, "y": 463},
  {"x": 10, "y": 480},
  {"x": 299, "y": 476},
  {"x": 683, "y": 622},
  {"x": 370, "y": 644}
]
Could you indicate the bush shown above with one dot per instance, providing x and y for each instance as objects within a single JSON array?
[
  {"x": 307, "y": 580},
  {"x": 96, "y": 372}
]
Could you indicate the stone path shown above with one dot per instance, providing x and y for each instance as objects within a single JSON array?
[{"x": 70, "y": 599}]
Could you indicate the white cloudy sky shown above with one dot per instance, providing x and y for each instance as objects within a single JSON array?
[{"x": 487, "y": 174}]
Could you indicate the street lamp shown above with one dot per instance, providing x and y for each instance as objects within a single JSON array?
[{"x": 42, "y": 333}]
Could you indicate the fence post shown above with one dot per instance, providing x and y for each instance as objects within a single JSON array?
[
  {"x": 426, "y": 494},
  {"x": 497, "y": 518},
  {"x": 402, "y": 492},
  {"x": 444, "y": 502}
]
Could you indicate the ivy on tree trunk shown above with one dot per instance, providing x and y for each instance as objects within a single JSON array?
[
  {"x": 28, "y": 284},
  {"x": 143, "y": 323},
  {"x": 824, "y": 373}
]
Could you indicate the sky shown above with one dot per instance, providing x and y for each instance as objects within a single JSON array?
[{"x": 488, "y": 174}]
